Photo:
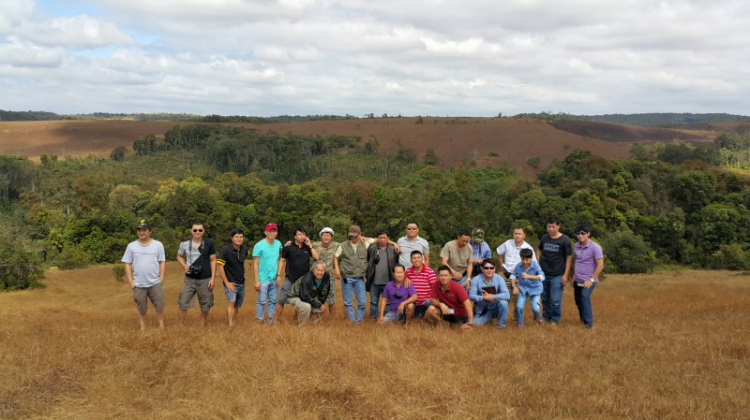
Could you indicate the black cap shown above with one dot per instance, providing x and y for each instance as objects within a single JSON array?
[
  {"x": 143, "y": 224},
  {"x": 583, "y": 228}
]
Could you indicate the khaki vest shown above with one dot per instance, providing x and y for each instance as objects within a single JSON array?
[{"x": 353, "y": 264}]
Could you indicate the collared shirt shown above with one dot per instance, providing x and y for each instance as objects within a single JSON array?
[
  {"x": 480, "y": 250},
  {"x": 586, "y": 257},
  {"x": 478, "y": 284},
  {"x": 395, "y": 295},
  {"x": 422, "y": 282},
  {"x": 458, "y": 258},
  {"x": 407, "y": 246},
  {"x": 454, "y": 297},
  {"x": 529, "y": 286},
  {"x": 512, "y": 253},
  {"x": 233, "y": 261},
  {"x": 297, "y": 260}
]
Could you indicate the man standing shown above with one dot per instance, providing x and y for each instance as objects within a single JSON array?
[
  {"x": 144, "y": 268},
  {"x": 197, "y": 256},
  {"x": 295, "y": 263},
  {"x": 381, "y": 258},
  {"x": 449, "y": 301},
  {"x": 422, "y": 278},
  {"x": 555, "y": 253},
  {"x": 589, "y": 265},
  {"x": 266, "y": 255},
  {"x": 231, "y": 265},
  {"x": 490, "y": 296},
  {"x": 353, "y": 265},
  {"x": 509, "y": 253},
  {"x": 480, "y": 251},
  {"x": 310, "y": 292},
  {"x": 398, "y": 297},
  {"x": 410, "y": 243},
  {"x": 329, "y": 251},
  {"x": 456, "y": 255}
]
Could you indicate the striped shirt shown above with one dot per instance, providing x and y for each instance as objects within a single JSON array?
[{"x": 422, "y": 282}]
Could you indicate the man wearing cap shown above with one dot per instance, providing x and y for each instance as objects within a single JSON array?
[
  {"x": 456, "y": 255},
  {"x": 353, "y": 267},
  {"x": 266, "y": 256},
  {"x": 329, "y": 251},
  {"x": 231, "y": 267},
  {"x": 295, "y": 263},
  {"x": 410, "y": 243},
  {"x": 197, "y": 256},
  {"x": 589, "y": 265},
  {"x": 144, "y": 268},
  {"x": 480, "y": 251}
]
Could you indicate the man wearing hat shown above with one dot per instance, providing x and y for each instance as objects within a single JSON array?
[
  {"x": 144, "y": 268},
  {"x": 329, "y": 252},
  {"x": 480, "y": 251},
  {"x": 353, "y": 266},
  {"x": 589, "y": 263},
  {"x": 266, "y": 256}
]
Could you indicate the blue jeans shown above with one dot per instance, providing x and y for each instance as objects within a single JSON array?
[
  {"x": 268, "y": 292},
  {"x": 497, "y": 309},
  {"x": 552, "y": 299},
  {"x": 353, "y": 286},
  {"x": 521, "y": 305},
  {"x": 375, "y": 291},
  {"x": 583, "y": 302}
]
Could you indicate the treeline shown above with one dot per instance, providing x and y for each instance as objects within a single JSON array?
[
  {"x": 669, "y": 204},
  {"x": 28, "y": 116},
  {"x": 663, "y": 119}
]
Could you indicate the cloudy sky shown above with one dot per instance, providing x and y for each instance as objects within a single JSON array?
[{"x": 409, "y": 57}]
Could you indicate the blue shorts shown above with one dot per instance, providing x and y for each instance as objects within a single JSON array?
[
  {"x": 236, "y": 297},
  {"x": 419, "y": 311}
]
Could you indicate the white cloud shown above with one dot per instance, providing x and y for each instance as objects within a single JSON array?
[{"x": 76, "y": 31}]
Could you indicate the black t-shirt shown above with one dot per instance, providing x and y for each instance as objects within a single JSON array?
[
  {"x": 554, "y": 253},
  {"x": 233, "y": 261},
  {"x": 297, "y": 260},
  {"x": 206, "y": 250}
]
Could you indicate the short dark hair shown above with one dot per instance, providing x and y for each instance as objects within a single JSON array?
[
  {"x": 488, "y": 260},
  {"x": 412, "y": 222},
  {"x": 300, "y": 229},
  {"x": 236, "y": 232},
  {"x": 526, "y": 253},
  {"x": 416, "y": 251},
  {"x": 444, "y": 268},
  {"x": 552, "y": 220},
  {"x": 198, "y": 223},
  {"x": 521, "y": 228},
  {"x": 399, "y": 265},
  {"x": 382, "y": 232},
  {"x": 463, "y": 232}
]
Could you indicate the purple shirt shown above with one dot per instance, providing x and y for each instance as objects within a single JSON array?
[
  {"x": 586, "y": 257},
  {"x": 392, "y": 293}
]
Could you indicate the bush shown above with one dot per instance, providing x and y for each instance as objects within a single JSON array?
[
  {"x": 119, "y": 271},
  {"x": 72, "y": 257},
  {"x": 730, "y": 257},
  {"x": 625, "y": 252},
  {"x": 20, "y": 266}
]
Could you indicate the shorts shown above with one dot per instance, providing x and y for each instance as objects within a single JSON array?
[
  {"x": 454, "y": 320},
  {"x": 193, "y": 287},
  {"x": 236, "y": 297},
  {"x": 141, "y": 296},
  {"x": 285, "y": 289},
  {"x": 392, "y": 316},
  {"x": 420, "y": 310}
]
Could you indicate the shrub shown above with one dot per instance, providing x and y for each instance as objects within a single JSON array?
[
  {"x": 119, "y": 271},
  {"x": 20, "y": 266},
  {"x": 625, "y": 252}
]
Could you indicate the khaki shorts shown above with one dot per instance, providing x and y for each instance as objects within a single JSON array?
[
  {"x": 194, "y": 287},
  {"x": 141, "y": 296}
]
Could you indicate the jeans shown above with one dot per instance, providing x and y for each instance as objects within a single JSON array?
[
  {"x": 497, "y": 309},
  {"x": 375, "y": 291},
  {"x": 521, "y": 305},
  {"x": 552, "y": 299},
  {"x": 268, "y": 292},
  {"x": 353, "y": 286},
  {"x": 236, "y": 297},
  {"x": 583, "y": 302}
]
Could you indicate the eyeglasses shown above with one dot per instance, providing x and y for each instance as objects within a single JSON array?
[
  {"x": 197, "y": 230},
  {"x": 488, "y": 268},
  {"x": 581, "y": 233}
]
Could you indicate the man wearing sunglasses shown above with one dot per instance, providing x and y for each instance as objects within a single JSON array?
[
  {"x": 589, "y": 265},
  {"x": 490, "y": 296},
  {"x": 197, "y": 256}
]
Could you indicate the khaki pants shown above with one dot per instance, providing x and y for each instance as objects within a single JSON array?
[{"x": 305, "y": 311}]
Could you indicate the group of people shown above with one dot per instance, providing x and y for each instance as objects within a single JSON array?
[{"x": 468, "y": 289}]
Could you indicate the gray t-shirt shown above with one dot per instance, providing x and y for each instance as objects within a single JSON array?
[
  {"x": 145, "y": 261},
  {"x": 382, "y": 276},
  {"x": 407, "y": 246}
]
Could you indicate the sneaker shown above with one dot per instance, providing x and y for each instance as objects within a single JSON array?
[{"x": 501, "y": 327}]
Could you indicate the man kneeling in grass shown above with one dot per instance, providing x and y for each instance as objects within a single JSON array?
[
  {"x": 398, "y": 297},
  {"x": 449, "y": 302},
  {"x": 309, "y": 293}
]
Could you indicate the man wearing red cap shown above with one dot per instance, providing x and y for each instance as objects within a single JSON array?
[{"x": 266, "y": 255}]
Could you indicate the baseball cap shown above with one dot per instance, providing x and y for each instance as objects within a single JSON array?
[
  {"x": 143, "y": 224},
  {"x": 326, "y": 230},
  {"x": 354, "y": 230},
  {"x": 478, "y": 234},
  {"x": 272, "y": 226}
]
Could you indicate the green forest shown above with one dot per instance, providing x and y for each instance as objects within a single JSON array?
[{"x": 669, "y": 204}]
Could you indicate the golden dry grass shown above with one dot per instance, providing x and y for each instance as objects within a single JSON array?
[{"x": 673, "y": 345}]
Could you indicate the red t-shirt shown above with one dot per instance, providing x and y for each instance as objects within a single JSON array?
[
  {"x": 454, "y": 297},
  {"x": 422, "y": 282}
]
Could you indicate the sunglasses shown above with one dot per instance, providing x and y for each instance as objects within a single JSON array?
[
  {"x": 197, "y": 230},
  {"x": 581, "y": 233},
  {"x": 488, "y": 268}
]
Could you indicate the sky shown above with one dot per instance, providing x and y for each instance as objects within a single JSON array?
[{"x": 405, "y": 57}]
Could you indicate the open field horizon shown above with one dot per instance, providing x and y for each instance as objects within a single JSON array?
[{"x": 666, "y": 345}]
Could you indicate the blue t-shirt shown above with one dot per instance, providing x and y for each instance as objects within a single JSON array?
[{"x": 268, "y": 263}]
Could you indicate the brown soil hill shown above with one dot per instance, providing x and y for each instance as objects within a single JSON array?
[{"x": 486, "y": 141}]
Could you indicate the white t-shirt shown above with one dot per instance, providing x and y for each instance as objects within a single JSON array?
[
  {"x": 512, "y": 253},
  {"x": 145, "y": 260}
]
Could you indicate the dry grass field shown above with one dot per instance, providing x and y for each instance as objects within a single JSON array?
[{"x": 672, "y": 345}]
